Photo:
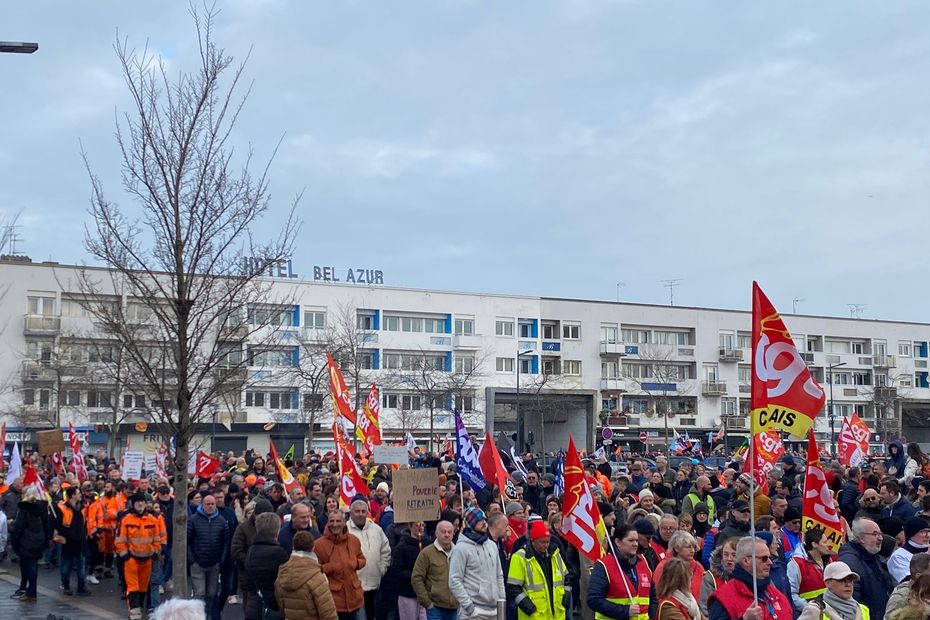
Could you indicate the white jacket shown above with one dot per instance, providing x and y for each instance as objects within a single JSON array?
[
  {"x": 377, "y": 552},
  {"x": 476, "y": 578}
]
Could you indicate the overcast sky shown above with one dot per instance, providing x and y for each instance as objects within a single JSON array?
[{"x": 542, "y": 148}]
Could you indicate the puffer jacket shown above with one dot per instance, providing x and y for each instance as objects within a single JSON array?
[
  {"x": 377, "y": 550},
  {"x": 242, "y": 541},
  {"x": 207, "y": 539},
  {"x": 262, "y": 563},
  {"x": 714, "y": 578},
  {"x": 302, "y": 589},
  {"x": 341, "y": 557},
  {"x": 475, "y": 576},
  {"x": 9, "y": 503},
  {"x": 402, "y": 562},
  {"x": 31, "y": 531}
]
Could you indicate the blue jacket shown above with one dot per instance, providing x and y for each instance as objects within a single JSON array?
[
  {"x": 208, "y": 539},
  {"x": 286, "y": 536},
  {"x": 874, "y": 585},
  {"x": 901, "y": 509}
]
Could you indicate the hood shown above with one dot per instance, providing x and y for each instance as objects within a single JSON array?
[
  {"x": 898, "y": 459},
  {"x": 211, "y": 517},
  {"x": 33, "y": 507},
  {"x": 294, "y": 574},
  {"x": 716, "y": 563}
]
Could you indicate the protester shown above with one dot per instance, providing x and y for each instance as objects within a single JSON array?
[
  {"x": 682, "y": 546},
  {"x": 340, "y": 555},
  {"x": 536, "y": 583},
  {"x": 302, "y": 590},
  {"x": 734, "y": 599},
  {"x": 837, "y": 601},
  {"x": 30, "y": 535},
  {"x": 430, "y": 577},
  {"x": 860, "y": 554},
  {"x": 805, "y": 568},
  {"x": 722, "y": 563},
  {"x": 376, "y": 549},
  {"x": 262, "y": 564},
  {"x": 621, "y": 584},
  {"x": 207, "y": 549},
  {"x": 403, "y": 559},
  {"x": 917, "y": 539},
  {"x": 673, "y": 587},
  {"x": 70, "y": 531},
  {"x": 919, "y": 565},
  {"x": 475, "y": 577}
]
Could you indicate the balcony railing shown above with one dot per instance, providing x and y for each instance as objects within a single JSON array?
[
  {"x": 884, "y": 361},
  {"x": 713, "y": 388},
  {"x": 38, "y": 370},
  {"x": 42, "y": 324},
  {"x": 240, "y": 332},
  {"x": 731, "y": 355},
  {"x": 612, "y": 384}
]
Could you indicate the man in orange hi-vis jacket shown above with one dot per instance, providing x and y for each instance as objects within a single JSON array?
[
  {"x": 101, "y": 526},
  {"x": 137, "y": 542}
]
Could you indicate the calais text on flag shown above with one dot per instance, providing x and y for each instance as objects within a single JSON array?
[
  {"x": 783, "y": 394},
  {"x": 369, "y": 424},
  {"x": 818, "y": 509}
]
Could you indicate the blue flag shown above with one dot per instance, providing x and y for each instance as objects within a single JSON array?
[
  {"x": 560, "y": 475},
  {"x": 466, "y": 458}
]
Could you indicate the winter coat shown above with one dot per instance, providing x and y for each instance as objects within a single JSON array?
[
  {"x": 302, "y": 590},
  {"x": 286, "y": 536},
  {"x": 402, "y": 561},
  {"x": 207, "y": 539},
  {"x": 430, "y": 579},
  {"x": 910, "y": 612},
  {"x": 74, "y": 534},
  {"x": 31, "y": 531},
  {"x": 377, "y": 552},
  {"x": 901, "y": 509},
  {"x": 898, "y": 598},
  {"x": 475, "y": 576},
  {"x": 874, "y": 584},
  {"x": 241, "y": 542},
  {"x": 713, "y": 579},
  {"x": 849, "y": 500},
  {"x": 9, "y": 503},
  {"x": 340, "y": 556},
  {"x": 262, "y": 563},
  {"x": 731, "y": 529}
]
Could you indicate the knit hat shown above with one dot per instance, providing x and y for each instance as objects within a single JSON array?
[
  {"x": 605, "y": 508},
  {"x": 645, "y": 493},
  {"x": 383, "y": 486},
  {"x": 766, "y": 537},
  {"x": 892, "y": 526},
  {"x": 473, "y": 515},
  {"x": 232, "y": 489},
  {"x": 513, "y": 508},
  {"x": 550, "y": 478},
  {"x": 787, "y": 459},
  {"x": 538, "y": 530},
  {"x": 791, "y": 514},
  {"x": 741, "y": 506},
  {"x": 645, "y": 527},
  {"x": 701, "y": 507},
  {"x": 137, "y": 497},
  {"x": 262, "y": 506},
  {"x": 746, "y": 479},
  {"x": 914, "y": 525}
]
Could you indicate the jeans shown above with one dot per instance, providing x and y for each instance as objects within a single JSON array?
[
  {"x": 206, "y": 584},
  {"x": 154, "y": 581},
  {"x": 29, "y": 575},
  {"x": 78, "y": 564},
  {"x": 438, "y": 613},
  {"x": 52, "y": 554},
  {"x": 227, "y": 584},
  {"x": 358, "y": 614}
]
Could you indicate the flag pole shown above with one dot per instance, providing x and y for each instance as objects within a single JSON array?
[{"x": 752, "y": 511}]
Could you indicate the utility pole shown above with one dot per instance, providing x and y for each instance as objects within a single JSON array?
[
  {"x": 794, "y": 304},
  {"x": 855, "y": 310},
  {"x": 619, "y": 286},
  {"x": 832, "y": 412},
  {"x": 670, "y": 285}
]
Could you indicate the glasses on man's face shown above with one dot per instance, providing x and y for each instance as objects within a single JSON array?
[
  {"x": 765, "y": 559},
  {"x": 872, "y": 534},
  {"x": 870, "y": 499}
]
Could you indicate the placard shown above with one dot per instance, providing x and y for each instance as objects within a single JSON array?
[
  {"x": 391, "y": 455},
  {"x": 416, "y": 495},
  {"x": 50, "y": 441},
  {"x": 132, "y": 465}
]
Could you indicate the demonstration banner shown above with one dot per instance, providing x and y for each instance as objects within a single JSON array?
[
  {"x": 849, "y": 449},
  {"x": 369, "y": 424},
  {"x": 343, "y": 412},
  {"x": 767, "y": 450},
  {"x": 582, "y": 524},
  {"x": 784, "y": 394},
  {"x": 818, "y": 509},
  {"x": 416, "y": 495}
]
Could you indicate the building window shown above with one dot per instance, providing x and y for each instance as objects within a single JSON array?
[
  {"x": 610, "y": 333},
  {"x": 526, "y": 366},
  {"x": 880, "y": 347},
  {"x": 312, "y": 402},
  {"x": 904, "y": 349},
  {"x": 410, "y": 402},
  {"x": 727, "y": 340},
  {"x": 389, "y": 401},
  {"x": 744, "y": 341},
  {"x": 271, "y": 358},
  {"x": 610, "y": 370},
  {"x": 571, "y": 331},
  {"x": 840, "y": 378},
  {"x": 464, "y": 363},
  {"x": 711, "y": 373},
  {"x": 44, "y": 306},
  {"x": 254, "y": 399},
  {"x": 133, "y": 401},
  {"x": 504, "y": 327},
  {"x": 727, "y": 406},
  {"x": 906, "y": 381},
  {"x": 745, "y": 375},
  {"x": 857, "y": 348},
  {"x": 504, "y": 364},
  {"x": 465, "y": 404},
  {"x": 280, "y": 316},
  {"x": 862, "y": 378},
  {"x": 100, "y": 353},
  {"x": 881, "y": 380},
  {"x": 526, "y": 329},
  {"x": 365, "y": 320},
  {"x": 70, "y": 398},
  {"x": 315, "y": 319},
  {"x": 550, "y": 330},
  {"x": 99, "y": 399},
  {"x": 464, "y": 327},
  {"x": 571, "y": 367},
  {"x": 635, "y": 336}
]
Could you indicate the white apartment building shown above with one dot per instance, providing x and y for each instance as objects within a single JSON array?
[{"x": 581, "y": 365}]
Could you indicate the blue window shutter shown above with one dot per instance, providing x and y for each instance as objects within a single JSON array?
[
  {"x": 296, "y": 320},
  {"x": 295, "y": 356},
  {"x": 295, "y": 399},
  {"x": 449, "y": 402},
  {"x": 534, "y": 364},
  {"x": 534, "y": 330},
  {"x": 376, "y": 359},
  {"x": 447, "y": 365},
  {"x": 448, "y": 324},
  {"x": 377, "y": 321}
]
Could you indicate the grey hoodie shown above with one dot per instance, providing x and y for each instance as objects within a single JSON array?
[{"x": 475, "y": 577}]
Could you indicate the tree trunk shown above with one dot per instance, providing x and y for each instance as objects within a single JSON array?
[{"x": 179, "y": 541}]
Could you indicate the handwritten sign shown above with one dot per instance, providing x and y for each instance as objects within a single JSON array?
[
  {"x": 391, "y": 455},
  {"x": 49, "y": 441},
  {"x": 416, "y": 495},
  {"x": 132, "y": 464}
]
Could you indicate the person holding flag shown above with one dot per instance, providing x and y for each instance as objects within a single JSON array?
[{"x": 621, "y": 586}]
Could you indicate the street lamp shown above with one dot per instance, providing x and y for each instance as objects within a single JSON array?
[
  {"x": 520, "y": 421},
  {"x": 832, "y": 412},
  {"x": 18, "y": 47}
]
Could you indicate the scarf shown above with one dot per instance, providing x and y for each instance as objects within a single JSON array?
[
  {"x": 847, "y": 608},
  {"x": 746, "y": 577},
  {"x": 474, "y": 536},
  {"x": 687, "y": 599}
]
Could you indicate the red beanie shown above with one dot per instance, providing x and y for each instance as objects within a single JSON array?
[{"x": 538, "y": 529}]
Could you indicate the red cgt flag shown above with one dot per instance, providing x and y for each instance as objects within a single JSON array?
[
  {"x": 848, "y": 447},
  {"x": 491, "y": 464},
  {"x": 582, "y": 524},
  {"x": 818, "y": 509},
  {"x": 352, "y": 483},
  {"x": 784, "y": 394},
  {"x": 369, "y": 425},
  {"x": 206, "y": 464},
  {"x": 767, "y": 449},
  {"x": 284, "y": 475},
  {"x": 342, "y": 402}
]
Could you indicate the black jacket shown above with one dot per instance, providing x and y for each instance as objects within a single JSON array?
[
  {"x": 31, "y": 530},
  {"x": 207, "y": 539},
  {"x": 9, "y": 503},
  {"x": 74, "y": 534},
  {"x": 167, "y": 513},
  {"x": 262, "y": 561},
  {"x": 403, "y": 557},
  {"x": 849, "y": 500},
  {"x": 874, "y": 585},
  {"x": 731, "y": 529},
  {"x": 242, "y": 540}
]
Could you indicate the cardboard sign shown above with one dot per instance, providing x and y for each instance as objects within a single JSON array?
[
  {"x": 132, "y": 465},
  {"x": 416, "y": 495},
  {"x": 50, "y": 441},
  {"x": 391, "y": 455}
]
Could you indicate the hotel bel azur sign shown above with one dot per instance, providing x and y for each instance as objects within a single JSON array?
[{"x": 285, "y": 269}]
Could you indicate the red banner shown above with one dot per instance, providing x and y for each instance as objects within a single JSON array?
[
  {"x": 784, "y": 394},
  {"x": 491, "y": 464},
  {"x": 861, "y": 432},
  {"x": 342, "y": 402},
  {"x": 818, "y": 509},
  {"x": 352, "y": 483},
  {"x": 3, "y": 444},
  {"x": 767, "y": 449},
  {"x": 77, "y": 455},
  {"x": 206, "y": 464},
  {"x": 57, "y": 464},
  {"x": 284, "y": 475},
  {"x": 369, "y": 424},
  {"x": 849, "y": 449},
  {"x": 582, "y": 524}
]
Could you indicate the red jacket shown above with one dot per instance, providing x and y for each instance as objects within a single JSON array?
[{"x": 736, "y": 598}]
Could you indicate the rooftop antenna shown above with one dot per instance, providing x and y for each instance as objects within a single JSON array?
[
  {"x": 855, "y": 310},
  {"x": 670, "y": 285},
  {"x": 620, "y": 285},
  {"x": 794, "y": 304}
]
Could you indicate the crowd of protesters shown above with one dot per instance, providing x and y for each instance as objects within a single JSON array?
[{"x": 678, "y": 544}]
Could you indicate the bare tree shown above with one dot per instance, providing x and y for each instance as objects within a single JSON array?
[
  {"x": 654, "y": 373},
  {"x": 185, "y": 257},
  {"x": 353, "y": 348},
  {"x": 313, "y": 376},
  {"x": 883, "y": 400}
]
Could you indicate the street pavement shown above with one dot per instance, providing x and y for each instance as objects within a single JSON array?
[{"x": 104, "y": 603}]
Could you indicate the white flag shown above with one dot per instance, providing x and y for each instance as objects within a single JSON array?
[
  {"x": 411, "y": 442},
  {"x": 16, "y": 464}
]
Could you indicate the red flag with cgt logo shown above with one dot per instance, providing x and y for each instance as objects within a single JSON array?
[
  {"x": 767, "y": 449},
  {"x": 818, "y": 509},
  {"x": 206, "y": 464}
]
